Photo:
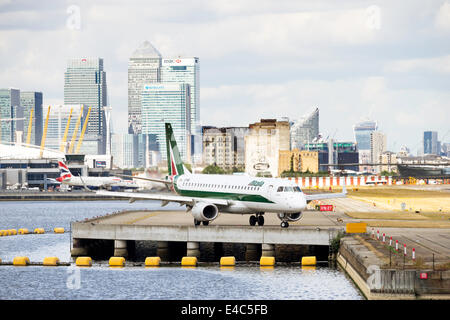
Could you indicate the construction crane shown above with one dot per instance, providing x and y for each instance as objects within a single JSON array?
[
  {"x": 75, "y": 131},
  {"x": 80, "y": 141},
  {"x": 30, "y": 124},
  {"x": 66, "y": 131},
  {"x": 44, "y": 135}
]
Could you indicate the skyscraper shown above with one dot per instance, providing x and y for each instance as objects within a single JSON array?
[
  {"x": 162, "y": 102},
  {"x": 430, "y": 142},
  {"x": 187, "y": 70},
  {"x": 10, "y": 109},
  {"x": 377, "y": 146},
  {"x": 362, "y": 131},
  {"x": 144, "y": 67},
  {"x": 85, "y": 83},
  {"x": 125, "y": 150},
  {"x": 31, "y": 100},
  {"x": 305, "y": 130}
]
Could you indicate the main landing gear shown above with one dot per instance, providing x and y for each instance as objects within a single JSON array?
[
  {"x": 284, "y": 224},
  {"x": 198, "y": 222},
  {"x": 258, "y": 218}
]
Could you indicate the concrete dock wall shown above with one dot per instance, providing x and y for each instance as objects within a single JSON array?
[{"x": 376, "y": 281}]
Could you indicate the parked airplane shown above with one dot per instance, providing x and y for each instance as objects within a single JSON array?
[
  {"x": 109, "y": 183},
  {"x": 206, "y": 195}
]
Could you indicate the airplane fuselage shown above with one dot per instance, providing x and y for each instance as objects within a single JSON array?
[
  {"x": 98, "y": 182},
  {"x": 244, "y": 194}
]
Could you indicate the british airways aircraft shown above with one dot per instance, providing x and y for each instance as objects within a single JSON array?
[
  {"x": 206, "y": 195},
  {"x": 109, "y": 183}
]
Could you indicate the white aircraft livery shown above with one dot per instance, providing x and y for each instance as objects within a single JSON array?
[
  {"x": 67, "y": 178},
  {"x": 206, "y": 195}
]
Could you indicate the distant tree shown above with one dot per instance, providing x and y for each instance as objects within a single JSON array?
[
  {"x": 213, "y": 169},
  {"x": 188, "y": 166}
]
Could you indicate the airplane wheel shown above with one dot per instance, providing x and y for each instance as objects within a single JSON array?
[
  {"x": 252, "y": 220},
  {"x": 196, "y": 222},
  {"x": 284, "y": 224},
  {"x": 205, "y": 223},
  {"x": 260, "y": 221}
]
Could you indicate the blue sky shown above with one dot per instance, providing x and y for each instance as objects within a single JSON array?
[{"x": 387, "y": 60}]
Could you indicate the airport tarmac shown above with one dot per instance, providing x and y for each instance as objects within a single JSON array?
[{"x": 429, "y": 243}]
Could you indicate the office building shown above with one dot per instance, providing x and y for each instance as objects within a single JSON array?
[
  {"x": 125, "y": 150},
  {"x": 296, "y": 160},
  {"x": 389, "y": 159},
  {"x": 336, "y": 154},
  {"x": 144, "y": 67},
  {"x": 168, "y": 102},
  {"x": 11, "y": 115},
  {"x": 362, "y": 131},
  {"x": 378, "y": 145},
  {"x": 263, "y": 143},
  {"x": 85, "y": 83},
  {"x": 187, "y": 70},
  {"x": 31, "y": 100},
  {"x": 224, "y": 147},
  {"x": 305, "y": 130},
  {"x": 431, "y": 144}
]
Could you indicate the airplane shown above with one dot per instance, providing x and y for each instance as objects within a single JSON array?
[
  {"x": 205, "y": 195},
  {"x": 109, "y": 183}
]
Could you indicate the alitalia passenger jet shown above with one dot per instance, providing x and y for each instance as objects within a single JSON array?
[{"x": 206, "y": 195}]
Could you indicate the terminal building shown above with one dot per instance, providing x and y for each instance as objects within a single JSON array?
[{"x": 25, "y": 167}]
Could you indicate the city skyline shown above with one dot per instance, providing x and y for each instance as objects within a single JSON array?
[{"x": 386, "y": 61}]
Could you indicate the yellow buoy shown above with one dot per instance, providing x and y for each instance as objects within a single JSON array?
[
  {"x": 152, "y": 261},
  {"x": 267, "y": 261},
  {"x": 12, "y": 232},
  {"x": 39, "y": 230},
  {"x": 309, "y": 261},
  {"x": 2, "y": 233},
  {"x": 51, "y": 261},
  {"x": 189, "y": 261},
  {"x": 23, "y": 231},
  {"x": 116, "y": 261},
  {"x": 83, "y": 262},
  {"x": 227, "y": 261},
  {"x": 21, "y": 261},
  {"x": 58, "y": 230}
]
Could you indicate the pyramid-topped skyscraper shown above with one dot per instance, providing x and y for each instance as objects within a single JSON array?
[{"x": 144, "y": 67}]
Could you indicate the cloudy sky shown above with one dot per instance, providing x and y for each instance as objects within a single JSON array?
[{"x": 384, "y": 60}]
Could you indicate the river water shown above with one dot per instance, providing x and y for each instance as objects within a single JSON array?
[{"x": 99, "y": 282}]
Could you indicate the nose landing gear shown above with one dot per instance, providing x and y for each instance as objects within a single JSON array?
[
  {"x": 258, "y": 218},
  {"x": 284, "y": 224}
]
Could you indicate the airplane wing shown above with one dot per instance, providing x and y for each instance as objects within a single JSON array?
[
  {"x": 165, "y": 198},
  {"x": 322, "y": 196},
  {"x": 147, "y": 179}
]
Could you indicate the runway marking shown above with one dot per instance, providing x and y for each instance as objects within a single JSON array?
[{"x": 142, "y": 218}]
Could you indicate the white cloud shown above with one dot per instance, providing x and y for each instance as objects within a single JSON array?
[
  {"x": 434, "y": 65},
  {"x": 442, "y": 20}
]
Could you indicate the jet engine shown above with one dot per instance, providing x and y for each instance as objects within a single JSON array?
[
  {"x": 204, "y": 211},
  {"x": 290, "y": 216}
]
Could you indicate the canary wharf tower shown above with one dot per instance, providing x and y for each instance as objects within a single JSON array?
[{"x": 144, "y": 67}]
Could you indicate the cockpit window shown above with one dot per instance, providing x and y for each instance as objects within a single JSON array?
[
  {"x": 280, "y": 189},
  {"x": 297, "y": 189},
  {"x": 288, "y": 189}
]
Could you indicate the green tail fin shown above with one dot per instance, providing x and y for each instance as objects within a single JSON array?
[{"x": 174, "y": 162}]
